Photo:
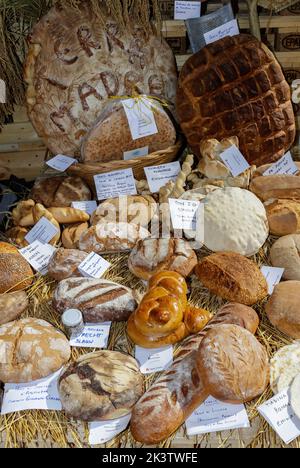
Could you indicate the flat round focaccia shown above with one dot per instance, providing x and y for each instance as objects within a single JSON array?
[{"x": 285, "y": 365}]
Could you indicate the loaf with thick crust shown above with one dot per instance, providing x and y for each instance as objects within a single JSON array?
[
  {"x": 276, "y": 186},
  {"x": 60, "y": 191},
  {"x": 69, "y": 215},
  {"x": 285, "y": 253},
  {"x": 283, "y": 308},
  {"x": 12, "y": 305},
  {"x": 71, "y": 235},
  {"x": 15, "y": 272},
  {"x": 284, "y": 217},
  {"x": 64, "y": 264}
]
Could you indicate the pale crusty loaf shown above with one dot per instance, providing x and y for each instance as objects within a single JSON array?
[
  {"x": 64, "y": 264},
  {"x": 276, "y": 186},
  {"x": 60, "y": 191},
  {"x": 98, "y": 300},
  {"x": 67, "y": 215},
  {"x": 285, "y": 253},
  {"x": 232, "y": 277},
  {"x": 283, "y": 308},
  {"x": 12, "y": 305},
  {"x": 179, "y": 390},
  {"x": 39, "y": 212},
  {"x": 284, "y": 217},
  {"x": 71, "y": 235},
  {"x": 15, "y": 272}
]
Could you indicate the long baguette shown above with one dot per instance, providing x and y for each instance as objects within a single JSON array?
[{"x": 179, "y": 390}]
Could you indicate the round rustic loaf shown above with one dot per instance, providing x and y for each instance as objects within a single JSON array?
[
  {"x": 60, "y": 191},
  {"x": 100, "y": 386},
  {"x": 232, "y": 277},
  {"x": 285, "y": 253},
  {"x": 279, "y": 186},
  {"x": 235, "y": 86},
  {"x": 234, "y": 366},
  {"x": 64, "y": 263},
  {"x": 15, "y": 271},
  {"x": 76, "y": 63},
  {"x": 12, "y": 305},
  {"x": 31, "y": 349},
  {"x": 234, "y": 220},
  {"x": 283, "y": 309},
  {"x": 284, "y": 217}
]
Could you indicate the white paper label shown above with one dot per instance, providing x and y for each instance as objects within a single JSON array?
[
  {"x": 154, "y": 360},
  {"x": 101, "y": 432},
  {"x": 285, "y": 165},
  {"x": 61, "y": 162},
  {"x": 215, "y": 416},
  {"x": 38, "y": 255},
  {"x": 140, "y": 118},
  {"x": 115, "y": 184},
  {"x": 87, "y": 206},
  {"x": 280, "y": 415},
  {"x": 273, "y": 276},
  {"x": 43, "y": 231},
  {"x": 230, "y": 28},
  {"x": 94, "y": 335},
  {"x": 159, "y": 176},
  {"x": 137, "y": 153},
  {"x": 94, "y": 266},
  {"x": 184, "y": 213},
  {"x": 234, "y": 161},
  {"x": 41, "y": 394},
  {"x": 187, "y": 10}
]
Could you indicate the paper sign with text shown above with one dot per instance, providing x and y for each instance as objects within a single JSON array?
[
  {"x": 273, "y": 276},
  {"x": 285, "y": 165},
  {"x": 184, "y": 213},
  {"x": 41, "y": 394},
  {"x": 115, "y": 184},
  {"x": 43, "y": 231},
  {"x": 87, "y": 206},
  {"x": 234, "y": 161},
  {"x": 94, "y": 335},
  {"x": 61, "y": 162},
  {"x": 159, "y": 176},
  {"x": 281, "y": 417},
  {"x": 154, "y": 360},
  {"x": 104, "y": 431},
  {"x": 94, "y": 266},
  {"x": 215, "y": 416},
  {"x": 137, "y": 153},
  {"x": 230, "y": 28},
  {"x": 38, "y": 255},
  {"x": 187, "y": 10},
  {"x": 140, "y": 118}
]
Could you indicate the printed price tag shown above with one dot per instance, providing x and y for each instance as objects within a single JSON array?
[
  {"x": 273, "y": 276},
  {"x": 154, "y": 360},
  {"x": 61, "y": 162},
  {"x": 187, "y": 10},
  {"x": 115, "y": 184},
  {"x": 234, "y": 161},
  {"x": 184, "y": 213},
  {"x": 41, "y": 394},
  {"x": 158, "y": 176},
  {"x": 43, "y": 231},
  {"x": 137, "y": 153},
  {"x": 140, "y": 117},
  {"x": 285, "y": 165},
  {"x": 94, "y": 335},
  {"x": 38, "y": 255},
  {"x": 281, "y": 417},
  {"x": 101, "y": 432},
  {"x": 87, "y": 206},
  {"x": 230, "y": 28},
  {"x": 94, "y": 266},
  {"x": 215, "y": 416}
]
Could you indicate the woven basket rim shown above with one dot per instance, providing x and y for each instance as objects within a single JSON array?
[{"x": 276, "y": 5}]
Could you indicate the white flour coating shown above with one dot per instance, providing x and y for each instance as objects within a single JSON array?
[{"x": 285, "y": 365}]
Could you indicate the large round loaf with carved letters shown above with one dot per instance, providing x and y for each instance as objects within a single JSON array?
[{"x": 75, "y": 64}]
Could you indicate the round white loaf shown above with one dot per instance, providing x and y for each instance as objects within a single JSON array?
[{"x": 285, "y": 365}]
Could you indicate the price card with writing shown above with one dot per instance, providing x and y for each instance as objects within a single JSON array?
[
  {"x": 38, "y": 255},
  {"x": 94, "y": 335},
  {"x": 273, "y": 276},
  {"x": 137, "y": 153},
  {"x": 140, "y": 117},
  {"x": 87, "y": 206},
  {"x": 154, "y": 360},
  {"x": 61, "y": 162},
  {"x": 41, "y": 394},
  {"x": 285, "y": 165},
  {"x": 215, "y": 416},
  {"x": 184, "y": 213},
  {"x": 230, "y": 28},
  {"x": 158, "y": 176},
  {"x": 280, "y": 415},
  {"x": 234, "y": 160},
  {"x": 115, "y": 184},
  {"x": 187, "y": 10},
  {"x": 94, "y": 266},
  {"x": 104, "y": 431},
  {"x": 43, "y": 231}
]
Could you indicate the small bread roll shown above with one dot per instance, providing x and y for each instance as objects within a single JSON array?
[
  {"x": 17, "y": 235},
  {"x": 69, "y": 215},
  {"x": 22, "y": 215}
]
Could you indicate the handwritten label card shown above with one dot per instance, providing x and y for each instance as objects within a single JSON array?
[
  {"x": 61, "y": 162},
  {"x": 115, "y": 184},
  {"x": 94, "y": 335},
  {"x": 273, "y": 276},
  {"x": 158, "y": 176},
  {"x": 87, "y": 206},
  {"x": 184, "y": 213},
  {"x": 285, "y": 165},
  {"x": 38, "y": 255},
  {"x": 94, "y": 266},
  {"x": 41, "y": 394},
  {"x": 215, "y": 416},
  {"x": 280, "y": 415},
  {"x": 43, "y": 231},
  {"x": 187, "y": 10},
  {"x": 137, "y": 153},
  {"x": 101, "y": 432},
  {"x": 140, "y": 118},
  {"x": 234, "y": 160},
  {"x": 154, "y": 360},
  {"x": 230, "y": 28}
]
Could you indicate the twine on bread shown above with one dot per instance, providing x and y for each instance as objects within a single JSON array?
[{"x": 150, "y": 102}]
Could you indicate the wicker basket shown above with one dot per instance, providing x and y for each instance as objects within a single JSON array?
[
  {"x": 276, "y": 5},
  {"x": 88, "y": 171}
]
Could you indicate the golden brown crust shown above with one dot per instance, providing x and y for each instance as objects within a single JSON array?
[
  {"x": 276, "y": 186},
  {"x": 39, "y": 211},
  {"x": 284, "y": 217},
  {"x": 69, "y": 215},
  {"x": 71, "y": 235},
  {"x": 283, "y": 308},
  {"x": 60, "y": 191},
  {"x": 16, "y": 235},
  {"x": 15, "y": 271}
]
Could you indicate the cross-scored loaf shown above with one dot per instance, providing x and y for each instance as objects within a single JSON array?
[{"x": 235, "y": 86}]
